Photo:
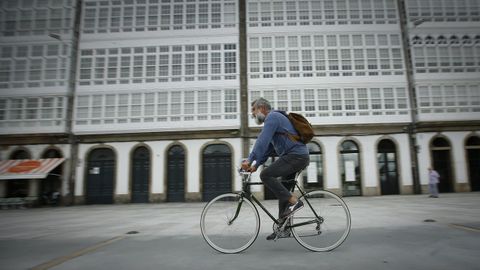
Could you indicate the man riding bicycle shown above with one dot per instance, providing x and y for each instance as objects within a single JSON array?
[{"x": 293, "y": 155}]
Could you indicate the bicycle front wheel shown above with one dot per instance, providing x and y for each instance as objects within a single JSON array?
[
  {"x": 323, "y": 223},
  {"x": 230, "y": 223}
]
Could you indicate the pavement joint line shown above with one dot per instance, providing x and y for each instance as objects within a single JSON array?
[
  {"x": 463, "y": 227},
  {"x": 78, "y": 253}
]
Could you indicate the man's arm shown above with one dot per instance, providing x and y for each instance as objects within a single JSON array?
[
  {"x": 263, "y": 146},
  {"x": 268, "y": 154}
]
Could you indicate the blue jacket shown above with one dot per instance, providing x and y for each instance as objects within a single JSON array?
[{"x": 273, "y": 138}]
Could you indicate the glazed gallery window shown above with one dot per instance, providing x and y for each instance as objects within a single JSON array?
[
  {"x": 32, "y": 112},
  {"x": 320, "y": 12},
  {"x": 154, "y": 15},
  {"x": 38, "y": 18},
  {"x": 33, "y": 65},
  {"x": 449, "y": 98},
  {"x": 439, "y": 54},
  {"x": 160, "y": 106},
  {"x": 158, "y": 64},
  {"x": 338, "y": 102},
  {"x": 443, "y": 11},
  {"x": 324, "y": 55}
]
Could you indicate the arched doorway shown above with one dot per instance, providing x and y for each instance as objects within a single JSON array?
[
  {"x": 472, "y": 147},
  {"x": 18, "y": 188},
  {"x": 140, "y": 175},
  {"x": 176, "y": 174},
  {"x": 442, "y": 163},
  {"x": 217, "y": 171},
  {"x": 20, "y": 154},
  {"x": 313, "y": 175},
  {"x": 387, "y": 165},
  {"x": 100, "y": 176},
  {"x": 53, "y": 182},
  {"x": 350, "y": 169}
]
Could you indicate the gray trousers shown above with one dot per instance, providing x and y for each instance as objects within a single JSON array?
[
  {"x": 433, "y": 188},
  {"x": 282, "y": 167}
]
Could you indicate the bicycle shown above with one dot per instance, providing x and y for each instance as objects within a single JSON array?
[{"x": 230, "y": 222}]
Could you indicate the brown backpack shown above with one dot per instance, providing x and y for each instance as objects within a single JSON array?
[{"x": 302, "y": 126}]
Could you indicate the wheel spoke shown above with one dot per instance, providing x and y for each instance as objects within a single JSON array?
[
  {"x": 329, "y": 224},
  {"x": 228, "y": 228}
]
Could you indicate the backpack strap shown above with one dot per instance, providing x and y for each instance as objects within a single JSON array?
[{"x": 292, "y": 137}]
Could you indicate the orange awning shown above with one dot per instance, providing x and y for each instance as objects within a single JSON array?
[{"x": 28, "y": 168}]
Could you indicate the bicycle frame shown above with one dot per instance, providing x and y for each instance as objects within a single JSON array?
[{"x": 246, "y": 194}]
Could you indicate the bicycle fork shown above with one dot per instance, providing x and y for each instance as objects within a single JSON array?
[{"x": 239, "y": 206}]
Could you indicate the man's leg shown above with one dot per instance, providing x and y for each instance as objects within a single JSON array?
[
  {"x": 289, "y": 186},
  {"x": 283, "y": 166}
]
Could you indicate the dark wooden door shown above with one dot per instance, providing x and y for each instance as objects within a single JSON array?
[
  {"x": 473, "y": 159},
  {"x": 388, "y": 173},
  {"x": 176, "y": 174},
  {"x": 443, "y": 165},
  {"x": 140, "y": 175},
  {"x": 100, "y": 176},
  {"x": 350, "y": 169},
  {"x": 474, "y": 168},
  {"x": 217, "y": 171},
  {"x": 387, "y": 164}
]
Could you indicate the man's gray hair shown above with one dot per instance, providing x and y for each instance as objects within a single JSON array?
[{"x": 261, "y": 102}]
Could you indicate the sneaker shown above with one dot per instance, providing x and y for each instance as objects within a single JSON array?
[
  {"x": 273, "y": 236},
  {"x": 292, "y": 208}
]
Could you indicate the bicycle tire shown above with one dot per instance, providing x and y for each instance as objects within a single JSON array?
[
  {"x": 327, "y": 231},
  {"x": 218, "y": 230}
]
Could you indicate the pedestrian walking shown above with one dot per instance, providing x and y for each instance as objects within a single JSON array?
[{"x": 433, "y": 180}]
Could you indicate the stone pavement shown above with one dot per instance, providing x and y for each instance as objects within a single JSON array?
[{"x": 388, "y": 232}]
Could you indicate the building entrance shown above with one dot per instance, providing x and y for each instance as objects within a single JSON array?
[{"x": 100, "y": 176}]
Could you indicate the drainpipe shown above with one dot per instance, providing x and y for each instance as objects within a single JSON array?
[
  {"x": 72, "y": 75},
  {"x": 244, "y": 107},
  {"x": 412, "y": 127}
]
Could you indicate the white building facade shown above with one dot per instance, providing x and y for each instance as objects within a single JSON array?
[{"x": 155, "y": 106}]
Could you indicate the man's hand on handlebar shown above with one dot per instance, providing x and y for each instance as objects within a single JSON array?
[{"x": 246, "y": 166}]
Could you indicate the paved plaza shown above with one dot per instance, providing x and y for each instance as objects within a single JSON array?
[{"x": 388, "y": 232}]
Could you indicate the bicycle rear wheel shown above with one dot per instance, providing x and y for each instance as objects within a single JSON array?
[
  {"x": 230, "y": 223},
  {"x": 323, "y": 223}
]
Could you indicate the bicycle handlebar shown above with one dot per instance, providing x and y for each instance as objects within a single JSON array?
[{"x": 243, "y": 172}]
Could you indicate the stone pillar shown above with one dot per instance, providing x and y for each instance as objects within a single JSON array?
[
  {"x": 34, "y": 187},
  {"x": 3, "y": 188},
  {"x": 369, "y": 171},
  {"x": 332, "y": 175}
]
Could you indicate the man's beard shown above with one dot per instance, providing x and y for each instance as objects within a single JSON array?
[{"x": 259, "y": 118}]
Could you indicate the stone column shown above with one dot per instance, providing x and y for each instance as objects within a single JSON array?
[
  {"x": 34, "y": 187},
  {"x": 3, "y": 188}
]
